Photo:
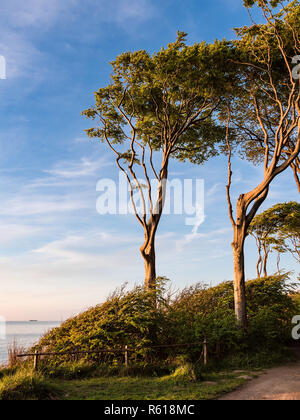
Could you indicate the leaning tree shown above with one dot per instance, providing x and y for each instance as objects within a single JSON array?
[
  {"x": 262, "y": 116},
  {"x": 158, "y": 107}
]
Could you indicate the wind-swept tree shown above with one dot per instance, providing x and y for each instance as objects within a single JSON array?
[
  {"x": 158, "y": 107},
  {"x": 288, "y": 233},
  {"x": 277, "y": 229},
  {"x": 263, "y": 228},
  {"x": 263, "y": 116}
]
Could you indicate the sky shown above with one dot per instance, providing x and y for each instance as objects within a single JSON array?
[{"x": 58, "y": 256}]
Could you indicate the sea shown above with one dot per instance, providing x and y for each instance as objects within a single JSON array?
[{"x": 25, "y": 334}]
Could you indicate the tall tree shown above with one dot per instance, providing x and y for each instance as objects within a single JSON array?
[
  {"x": 158, "y": 107},
  {"x": 263, "y": 116}
]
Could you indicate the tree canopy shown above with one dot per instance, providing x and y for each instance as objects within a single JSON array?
[
  {"x": 158, "y": 107},
  {"x": 277, "y": 228}
]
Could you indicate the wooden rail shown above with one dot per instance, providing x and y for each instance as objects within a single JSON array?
[{"x": 125, "y": 350}]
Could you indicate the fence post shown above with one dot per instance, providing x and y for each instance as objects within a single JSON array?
[
  {"x": 126, "y": 356},
  {"x": 36, "y": 361},
  {"x": 205, "y": 351}
]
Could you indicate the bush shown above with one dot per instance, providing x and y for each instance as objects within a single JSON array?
[
  {"x": 26, "y": 385},
  {"x": 200, "y": 313},
  {"x": 296, "y": 299},
  {"x": 69, "y": 370},
  {"x": 126, "y": 318},
  {"x": 197, "y": 313}
]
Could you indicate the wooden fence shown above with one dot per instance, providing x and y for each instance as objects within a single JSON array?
[{"x": 126, "y": 350}]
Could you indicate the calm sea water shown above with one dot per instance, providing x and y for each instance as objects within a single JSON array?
[{"x": 25, "y": 334}]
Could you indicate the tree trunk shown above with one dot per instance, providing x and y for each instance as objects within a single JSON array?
[
  {"x": 148, "y": 253},
  {"x": 295, "y": 169},
  {"x": 239, "y": 283},
  {"x": 240, "y": 233},
  {"x": 278, "y": 262},
  {"x": 259, "y": 262},
  {"x": 265, "y": 263},
  {"x": 150, "y": 267},
  {"x": 148, "y": 249}
]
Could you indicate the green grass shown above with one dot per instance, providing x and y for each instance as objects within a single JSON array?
[
  {"x": 27, "y": 385},
  {"x": 83, "y": 382},
  {"x": 165, "y": 388}
]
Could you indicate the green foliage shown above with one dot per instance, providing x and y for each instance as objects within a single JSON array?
[
  {"x": 263, "y": 3},
  {"x": 208, "y": 313},
  {"x": 133, "y": 318},
  {"x": 26, "y": 385},
  {"x": 196, "y": 313},
  {"x": 278, "y": 228},
  {"x": 296, "y": 299},
  {"x": 164, "y": 100},
  {"x": 264, "y": 95},
  {"x": 70, "y": 370}
]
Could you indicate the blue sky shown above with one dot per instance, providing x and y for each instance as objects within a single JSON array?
[{"x": 57, "y": 255}]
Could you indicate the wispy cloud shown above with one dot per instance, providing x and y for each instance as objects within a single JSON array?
[
  {"x": 30, "y": 13},
  {"x": 12, "y": 232},
  {"x": 23, "y": 22},
  {"x": 85, "y": 167},
  {"x": 194, "y": 236}
]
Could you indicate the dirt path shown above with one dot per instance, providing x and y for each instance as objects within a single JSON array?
[{"x": 281, "y": 383}]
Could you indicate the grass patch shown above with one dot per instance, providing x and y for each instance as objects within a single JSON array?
[
  {"x": 164, "y": 388},
  {"x": 26, "y": 385}
]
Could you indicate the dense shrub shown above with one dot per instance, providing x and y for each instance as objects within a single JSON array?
[
  {"x": 135, "y": 318},
  {"x": 197, "y": 313},
  {"x": 209, "y": 313},
  {"x": 296, "y": 299}
]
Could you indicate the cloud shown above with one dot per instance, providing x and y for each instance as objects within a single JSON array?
[
  {"x": 85, "y": 167},
  {"x": 43, "y": 14},
  {"x": 23, "y": 59},
  {"x": 24, "y": 22},
  {"x": 68, "y": 187},
  {"x": 30, "y": 13},
  {"x": 38, "y": 205},
  {"x": 86, "y": 246},
  {"x": 194, "y": 236},
  {"x": 10, "y": 232},
  {"x": 134, "y": 9}
]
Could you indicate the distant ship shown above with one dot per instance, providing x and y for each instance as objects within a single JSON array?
[{"x": 33, "y": 320}]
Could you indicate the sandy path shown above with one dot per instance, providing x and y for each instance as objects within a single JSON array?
[{"x": 281, "y": 383}]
